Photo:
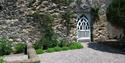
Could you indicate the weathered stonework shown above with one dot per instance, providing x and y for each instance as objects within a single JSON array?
[
  {"x": 18, "y": 27},
  {"x": 56, "y": 11},
  {"x": 14, "y": 24},
  {"x": 102, "y": 30}
]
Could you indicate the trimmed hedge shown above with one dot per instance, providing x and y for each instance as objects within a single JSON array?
[
  {"x": 74, "y": 45},
  {"x": 39, "y": 51}
]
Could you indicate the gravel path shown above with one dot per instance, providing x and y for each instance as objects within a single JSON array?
[
  {"x": 94, "y": 53},
  {"x": 16, "y": 57}
]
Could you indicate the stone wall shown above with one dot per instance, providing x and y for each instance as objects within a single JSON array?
[
  {"x": 14, "y": 24},
  {"x": 103, "y": 30},
  {"x": 116, "y": 32},
  {"x": 56, "y": 11},
  {"x": 17, "y": 26},
  {"x": 100, "y": 32}
]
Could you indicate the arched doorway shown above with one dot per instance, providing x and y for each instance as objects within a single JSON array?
[{"x": 83, "y": 28}]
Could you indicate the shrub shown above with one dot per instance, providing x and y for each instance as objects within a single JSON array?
[
  {"x": 2, "y": 60},
  {"x": 54, "y": 49},
  {"x": 63, "y": 43},
  {"x": 67, "y": 17},
  {"x": 65, "y": 48},
  {"x": 5, "y": 47},
  {"x": 75, "y": 45},
  {"x": 38, "y": 45},
  {"x": 57, "y": 48},
  {"x": 39, "y": 51},
  {"x": 20, "y": 47},
  {"x": 46, "y": 43},
  {"x": 50, "y": 50},
  {"x": 48, "y": 39}
]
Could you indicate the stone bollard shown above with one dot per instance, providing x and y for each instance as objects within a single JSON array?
[{"x": 33, "y": 58}]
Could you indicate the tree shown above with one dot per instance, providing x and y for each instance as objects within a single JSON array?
[{"x": 116, "y": 13}]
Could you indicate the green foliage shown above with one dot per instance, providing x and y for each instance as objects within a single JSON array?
[
  {"x": 116, "y": 13},
  {"x": 50, "y": 50},
  {"x": 65, "y": 48},
  {"x": 67, "y": 17},
  {"x": 54, "y": 49},
  {"x": 75, "y": 45},
  {"x": 63, "y": 43},
  {"x": 2, "y": 60},
  {"x": 20, "y": 47},
  {"x": 48, "y": 43},
  {"x": 95, "y": 12},
  {"x": 57, "y": 48},
  {"x": 5, "y": 47},
  {"x": 39, "y": 51},
  {"x": 38, "y": 45},
  {"x": 49, "y": 37}
]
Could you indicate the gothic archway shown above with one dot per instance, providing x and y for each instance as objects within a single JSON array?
[{"x": 83, "y": 28}]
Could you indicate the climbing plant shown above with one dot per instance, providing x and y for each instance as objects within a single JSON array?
[
  {"x": 67, "y": 17},
  {"x": 49, "y": 38}
]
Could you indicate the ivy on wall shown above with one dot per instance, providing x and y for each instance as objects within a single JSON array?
[
  {"x": 49, "y": 38},
  {"x": 67, "y": 17}
]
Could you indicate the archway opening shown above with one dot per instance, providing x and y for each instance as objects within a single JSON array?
[{"x": 83, "y": 28}]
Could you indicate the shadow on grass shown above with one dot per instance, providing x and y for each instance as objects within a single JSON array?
[{"x": 107, "y": 48}]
